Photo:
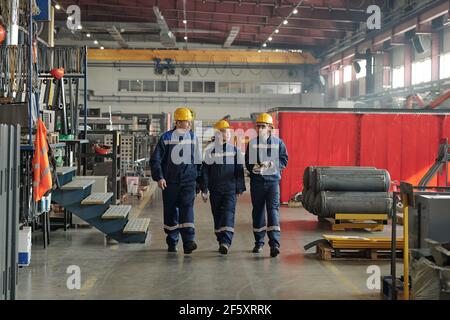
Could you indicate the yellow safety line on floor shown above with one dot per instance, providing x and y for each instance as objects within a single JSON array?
[
  {"x": 88, "y": 284},
  {"x": 141, "y": 207},
  {"x": 343, "y": 279}
]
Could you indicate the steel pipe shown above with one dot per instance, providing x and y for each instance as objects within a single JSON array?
[
  {"x": 344, "y": 179},
  {"x": 329, "y": 203}
]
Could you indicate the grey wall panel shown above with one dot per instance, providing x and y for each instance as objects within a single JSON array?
[
  {"x": 9, "y": 188},
  {"x": 2, "y": 216}
]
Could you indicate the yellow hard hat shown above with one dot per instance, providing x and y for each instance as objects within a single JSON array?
[
  {"x": 222, "y": 124},
  {"x": 183, "y": 114},
  {"x": 264, "y": 118}
]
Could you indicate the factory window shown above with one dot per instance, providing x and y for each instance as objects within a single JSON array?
[
  {"x": 283, "y": 88},
  {"x": 268, "y": 88},
  {"x": 248, "y": 87},
  {"x": 210, "y": 87},
  {"x": 197, "y": 86},
  {"x": 124, "y": 85},
  {"x": 149, "y": 86},
  {"x": 421, "y": 71},
  {"x": 136, "y": 85},
  {"x": 363, "y": 72},
  {"x": 160, "y": 86},
  {"x": 348, "y": 74},
  {"x": 398, "y": 77},
  {"x": 235, "y": 87},
  {"x": 172, "y": 86},
  {"x": 223, "y": 87},
  {"x": 295, "y": 88},
  {"x": 337, "y": 78},
  {"x": 187, "y": 86},
  {"x": 444, "y": 72}
]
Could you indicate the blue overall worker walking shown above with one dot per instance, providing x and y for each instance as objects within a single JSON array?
[
  {"x": 223, "y": 177},
  {"x": 265, "y": 159},
  {"x": 176, "y": 165}
]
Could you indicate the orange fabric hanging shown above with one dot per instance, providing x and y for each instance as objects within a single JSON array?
[{"x": 42, "y": 176}]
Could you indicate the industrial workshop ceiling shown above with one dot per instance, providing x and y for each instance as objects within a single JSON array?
[{"x": 312, "y": 25}]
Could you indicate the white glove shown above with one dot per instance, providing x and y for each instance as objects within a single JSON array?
[
  {"x": 267, "y": 164},
  {"x": 257, "y": 169},
  {"x": 205, "y": 197}
]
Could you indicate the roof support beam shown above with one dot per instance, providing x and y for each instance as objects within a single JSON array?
[
  {"x": 231, "y": 36},
  {"x": 117, "y": 36}
]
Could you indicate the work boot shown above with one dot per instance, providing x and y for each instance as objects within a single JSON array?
[
  {"x": 189, "y": 247},
  {"x": 274, "y": 251},
  {"x": 257, "y": 249},
  {"x": 172, "y": 248},
  {"x": 223, "y": 249}
]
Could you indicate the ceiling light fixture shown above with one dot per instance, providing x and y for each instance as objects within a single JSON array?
[
  {"x": 88, "y": 35},
  {"x": 185, "y": 37},
  {"x": 95, "y": 42},
  {"x": 276, "y": 30},
  {"x": 295, "y": 11},
  {"x": 285, "y": 22},
  {"x": 184, "y": 21},
  {"x": 270, "y": 39},
  {"x": 57, "y": 6},
  {"x": 264, "y": 45},
  {"x": 259, "y": 50},
  {"x": 80, "y": 27},
  {"x": 102, "y": 48}
]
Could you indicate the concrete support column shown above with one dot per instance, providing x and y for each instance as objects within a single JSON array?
[
  {"x": 387, "y": 71},
  {"x": 408, "y": 64},
  {"x": 341, "y": 83},
  {"x": 435, "y": 52}
]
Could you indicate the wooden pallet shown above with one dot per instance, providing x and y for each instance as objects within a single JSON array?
[
  {"x": 294, "y": 204},
  {"x": 326, "y": 252},
  {"x": 371, "y": 222}
]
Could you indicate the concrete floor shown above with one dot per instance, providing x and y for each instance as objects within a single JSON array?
[{"x": 147, "y": 271}]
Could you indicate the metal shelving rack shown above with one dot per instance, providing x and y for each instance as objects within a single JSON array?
[{"x": 114, "y": 156}]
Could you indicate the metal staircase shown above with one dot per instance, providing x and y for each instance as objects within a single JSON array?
[{"x": 97, "y": 209}]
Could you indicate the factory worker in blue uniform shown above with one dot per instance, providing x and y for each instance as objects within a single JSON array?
[
  {"x": 265, "y": 159},
  {"x": 223, "y": 179},
  {"x": 176, "y": 166}
]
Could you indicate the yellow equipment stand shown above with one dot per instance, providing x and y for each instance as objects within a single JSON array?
[
  {"x": 368, "y": 221},
  {"x": 405, "y": 247}
]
